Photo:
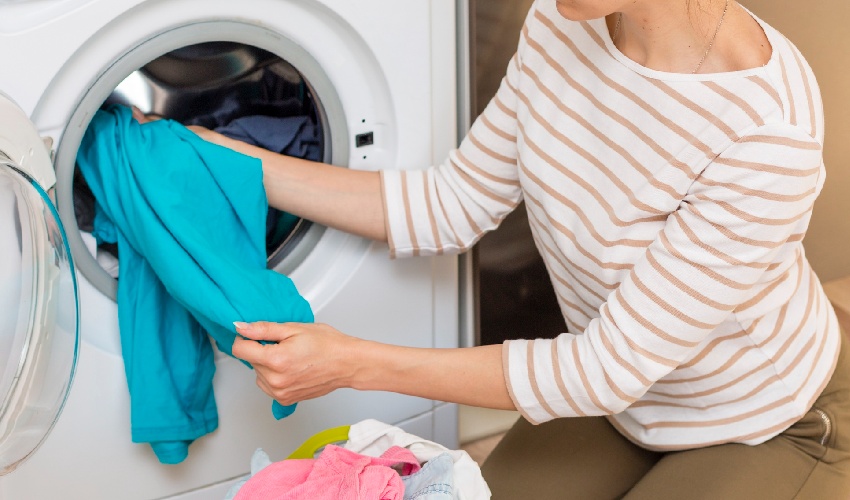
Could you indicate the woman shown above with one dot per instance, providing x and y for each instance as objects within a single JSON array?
[{"x": 669, "y": 153}]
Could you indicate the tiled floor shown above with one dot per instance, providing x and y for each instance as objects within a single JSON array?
[
  {"x": 481, "y": 429},
  {"x": 481, "y": 448}
]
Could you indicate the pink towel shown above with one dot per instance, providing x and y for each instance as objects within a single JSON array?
[{"x": 338, "y": 474}]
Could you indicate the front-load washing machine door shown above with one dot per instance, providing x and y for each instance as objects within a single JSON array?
[{"x": 39, "y": 311}]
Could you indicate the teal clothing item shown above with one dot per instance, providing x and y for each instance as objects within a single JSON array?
[{"x": 189, "y": 220}]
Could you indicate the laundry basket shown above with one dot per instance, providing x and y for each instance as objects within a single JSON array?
[
  {"x": 317, "y": 442},
  {"x": 460, "y": 475}
]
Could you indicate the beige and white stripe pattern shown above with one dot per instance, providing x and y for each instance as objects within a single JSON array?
[{"x": 670, "y": 211}]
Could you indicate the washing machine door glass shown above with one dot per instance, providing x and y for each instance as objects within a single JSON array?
[{"x": 39, "y": 318}]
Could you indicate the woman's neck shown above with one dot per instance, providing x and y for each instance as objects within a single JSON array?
[{"x": 674, "y": 36}]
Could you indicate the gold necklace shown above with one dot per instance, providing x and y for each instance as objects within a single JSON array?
[{"x": 707, "y": 49}]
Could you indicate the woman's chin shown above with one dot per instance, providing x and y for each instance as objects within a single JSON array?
[{"x": 570, "y": 12}]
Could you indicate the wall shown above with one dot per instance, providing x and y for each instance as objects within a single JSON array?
[
  {"x": 819, "y": 29},
  {"x": 495, "y": 33}
]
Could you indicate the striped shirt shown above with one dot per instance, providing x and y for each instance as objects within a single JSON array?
[{"x": 670, "y": 211}]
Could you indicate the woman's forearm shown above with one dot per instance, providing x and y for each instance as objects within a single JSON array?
[
  {"x": 308, "y": 360},
  {"x": 345, "y": 199},
  {"x": 471, "y": 376}
]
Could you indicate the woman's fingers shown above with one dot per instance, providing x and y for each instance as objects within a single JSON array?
[
  {"x": 138, "y": 115},
  {"x": 248, "y": 350},
  {"x": 307, "y": 360},
  {"x": 144, "y": 118},
  {"x": 263, "y": 330}
]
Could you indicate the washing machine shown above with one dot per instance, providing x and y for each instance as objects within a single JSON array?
[{"x": 380, "y": 80}]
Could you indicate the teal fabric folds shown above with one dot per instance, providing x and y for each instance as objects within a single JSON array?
[{"x": 189, "y": 218}]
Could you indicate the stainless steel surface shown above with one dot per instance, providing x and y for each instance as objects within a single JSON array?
[
  {"x": 496, "y": 26},
  {"x": 198, "y": 79},
  {"x": 207, "y": 65},
  {"x": 468, "y": 308},
  {"x": 515, "y": 296}
]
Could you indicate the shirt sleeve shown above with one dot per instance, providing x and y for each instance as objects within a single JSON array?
[
  {"x": 447, "y": 208},
  {"x": 746, "y": 205}
]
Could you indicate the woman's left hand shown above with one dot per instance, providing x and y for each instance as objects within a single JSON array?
[
  {"x": 307, "y": 360},
  {"x": 143, "y": 118}
]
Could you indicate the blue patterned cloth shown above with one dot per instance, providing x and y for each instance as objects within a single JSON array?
[{"x": 434, "y": 481}]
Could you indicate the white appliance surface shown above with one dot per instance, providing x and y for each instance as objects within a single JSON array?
[{"x": 392, "y": 66}]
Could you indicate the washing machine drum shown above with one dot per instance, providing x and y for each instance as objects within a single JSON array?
[{"x": 39, "y": 325}]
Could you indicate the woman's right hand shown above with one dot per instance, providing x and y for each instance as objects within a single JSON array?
[{"x": 304, "y": 361}]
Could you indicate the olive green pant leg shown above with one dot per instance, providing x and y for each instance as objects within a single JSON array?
[
  {"x": 586, "y": 458},
  {"x": 809, "y": 461},
  {"x": 831, "y": 476},
  {"x": 569, "y": 458}
]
